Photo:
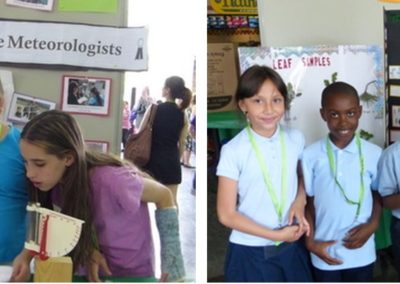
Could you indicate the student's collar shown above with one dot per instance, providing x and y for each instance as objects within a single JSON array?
[
  {"x": 351, "y": 147},
  {"x": 274, "y": 136}
]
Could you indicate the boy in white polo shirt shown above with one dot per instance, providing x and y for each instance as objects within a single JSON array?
[{"x": 343, "y": 207}]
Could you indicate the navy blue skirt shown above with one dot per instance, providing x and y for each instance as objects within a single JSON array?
[{"x": 290, "y": 262}]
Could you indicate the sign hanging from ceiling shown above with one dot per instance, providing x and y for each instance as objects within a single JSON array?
[
  {"x": 242, "y": 7},
  {"x": 60, "y": 44}
]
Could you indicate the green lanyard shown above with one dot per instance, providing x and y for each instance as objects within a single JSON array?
[
  {"x": 267, "y": 179},
  {"x": 333, "y": 169}
]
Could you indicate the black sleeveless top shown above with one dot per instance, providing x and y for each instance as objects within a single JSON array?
[{"x": 164, "y": 164}]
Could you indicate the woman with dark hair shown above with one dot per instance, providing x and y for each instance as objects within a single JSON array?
[{"x": 170, "y": 128}]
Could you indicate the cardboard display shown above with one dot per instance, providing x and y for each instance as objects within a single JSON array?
[{"x": 222, "y": 76}]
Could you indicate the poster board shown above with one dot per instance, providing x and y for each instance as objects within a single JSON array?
[
  {"x": 392, "y": 65},
  {"x": 307, "y": 70}
]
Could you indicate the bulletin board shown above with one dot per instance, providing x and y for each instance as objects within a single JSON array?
[
  {"x": 392, "y": 65},
  {"x": 45, "y": 82}
]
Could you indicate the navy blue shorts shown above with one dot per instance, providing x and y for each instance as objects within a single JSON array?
[{"x": 289, "y": 263}]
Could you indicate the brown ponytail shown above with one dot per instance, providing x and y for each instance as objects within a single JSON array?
[{"x": 186, "y": 99}]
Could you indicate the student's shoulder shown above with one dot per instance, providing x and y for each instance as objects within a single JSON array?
[
  {"x": 371, "y": 146},
  {"x": 238, "y": 140},
  {"x": 314, "y": 148},
  {"x": 392, "y": 150},
  {"x": 293, "y": 133}
]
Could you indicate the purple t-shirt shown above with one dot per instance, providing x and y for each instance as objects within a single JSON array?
[{"x": 122, "y": 221}]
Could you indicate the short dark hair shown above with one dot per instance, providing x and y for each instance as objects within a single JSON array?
[
  {"x": 252, "y": 79},
  {"x": 338, "y": 88}
]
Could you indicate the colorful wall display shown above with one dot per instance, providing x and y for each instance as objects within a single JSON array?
[
  {"x": 307, "y": 70},
  {"x": 244, "y": 7},
  {"x": 100, "y": 6}
]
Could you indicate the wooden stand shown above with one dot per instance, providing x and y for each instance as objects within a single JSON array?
[{"x": 54, "y": 269}]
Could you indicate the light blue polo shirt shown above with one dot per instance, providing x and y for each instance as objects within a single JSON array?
[
  {"x": 389, "y": 173},
  {"x": 332, "y": 212},
  {"x": 238, "y": 161}
]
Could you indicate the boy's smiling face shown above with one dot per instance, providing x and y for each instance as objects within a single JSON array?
[{"x": 341, "y": 112}]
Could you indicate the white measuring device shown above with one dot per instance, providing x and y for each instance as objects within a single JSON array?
[{"x": 51, "y": 234}]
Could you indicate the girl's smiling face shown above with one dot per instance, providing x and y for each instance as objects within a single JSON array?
[
  {"x": 265, "y": 109},
  {"x": 44, "y": 170}
]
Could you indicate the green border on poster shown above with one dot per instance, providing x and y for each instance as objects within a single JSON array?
[{"x": 101, "y": 6}]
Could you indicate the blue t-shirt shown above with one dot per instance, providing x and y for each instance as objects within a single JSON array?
[
  {"x": 13, "y": 197},
  {"x": 333, "y": 215},
  {"x": 239, "y": 162}
]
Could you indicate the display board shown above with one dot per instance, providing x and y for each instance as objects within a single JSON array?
[
  {"x": 392, "y": 64},
  {"x": 45, "y": 83},
  {"x": 307, "y": 70}
]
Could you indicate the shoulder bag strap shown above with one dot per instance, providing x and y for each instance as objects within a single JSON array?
[{"x": 153, "y": 110}]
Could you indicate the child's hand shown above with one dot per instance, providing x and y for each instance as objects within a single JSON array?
[
  {"x": 290, "y": 233},
  {"x": 21, "y": 271},
  {"x": 97, "y": 262},
  {"x": 296, "y": 212},
  {"x": 320, "y": 248},
  {"x": 358, "y": 235}
]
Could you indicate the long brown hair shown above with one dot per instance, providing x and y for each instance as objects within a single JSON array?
[
  {"x": 178, "y": 91},
  {"x": 59, "y": 134}
]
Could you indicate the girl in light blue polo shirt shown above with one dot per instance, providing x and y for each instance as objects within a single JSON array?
[
  {"x": 343, "y": 208},
  {"x": 258, "y": 196}
]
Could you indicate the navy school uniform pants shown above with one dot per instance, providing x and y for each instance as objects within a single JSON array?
[
  {"x": 289, "y": 262},
  {"x": 358, "y": 274}
]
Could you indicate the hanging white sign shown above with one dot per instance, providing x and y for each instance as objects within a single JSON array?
[{"x": 89, "y": 46}]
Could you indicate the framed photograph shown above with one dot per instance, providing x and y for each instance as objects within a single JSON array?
[
  {"x": 394, "y": 72},
  {"x": 394, "y": 90},
  {"x": 394, "y": 135},
  {"x": 46, "y": 5},
  {"x": 98, "y": 146},
  {"x": 86, "y": 95},
  {"x": 395, "y": 116},
  {"x": 23, "y": 107}
]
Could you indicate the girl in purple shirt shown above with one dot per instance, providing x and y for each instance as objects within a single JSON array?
[{"x": 110, "y": 195}]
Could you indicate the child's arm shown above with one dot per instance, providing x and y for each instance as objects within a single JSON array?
[
  {"x": 21, "y": 271},
  {"x": 296, "y": 210},
  {"x": 228, "y": 215},
  {"x": 319, "y": 248},
  {"x": 357, "y": 236},
  {"x": 168, "y": 228},
  {"x": 391, "y": 201}
]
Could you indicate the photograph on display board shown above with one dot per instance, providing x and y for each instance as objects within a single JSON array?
[
  {"x": 394, "y": 90},
  {"x": 394, "y": 135},
  {"x": 33, "y": 4},
  {"x": 395, "y": 116},
  {"x": 23, "y": 108},
  {"x": 97, "y": 146},
  {"x": 86, "y": 95}
]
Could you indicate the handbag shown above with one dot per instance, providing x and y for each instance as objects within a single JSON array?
[{"x": 138, "y": 146}]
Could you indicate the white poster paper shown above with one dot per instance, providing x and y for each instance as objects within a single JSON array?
[{"x": 307, "y": 70}]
